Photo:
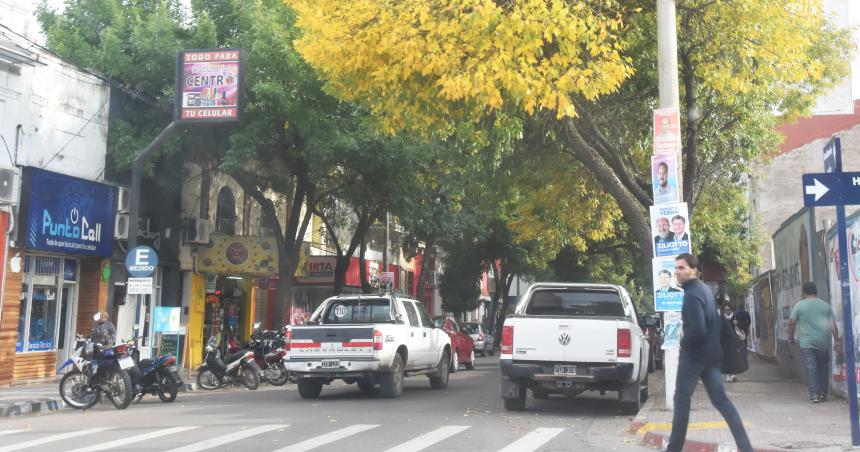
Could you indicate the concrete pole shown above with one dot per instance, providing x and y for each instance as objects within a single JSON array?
[{"x": 667, "y": 67}]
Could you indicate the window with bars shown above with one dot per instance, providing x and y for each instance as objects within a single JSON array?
[{"x": 45, "y": 296}]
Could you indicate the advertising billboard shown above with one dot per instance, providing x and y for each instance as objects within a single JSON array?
[
  {"x": 664, "y": 176},
  {"x": 64, "y": 214},
  {"x": 208, "y": 85}
]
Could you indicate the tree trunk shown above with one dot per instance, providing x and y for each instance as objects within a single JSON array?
[
  {"x": 506, "y": 305},
  {"x": 340, "y": 268},
  {"x": 691, "y": 135},
  {"x": 362, "y": 266},
  {"x": 632, "y": 209}
]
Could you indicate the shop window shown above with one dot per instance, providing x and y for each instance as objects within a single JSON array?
[
  {"x": 41, "y": 302},
  {"x": 225, "y": 216}
]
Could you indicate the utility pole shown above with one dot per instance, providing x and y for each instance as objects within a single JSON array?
[{"x": 667, "y": 67}]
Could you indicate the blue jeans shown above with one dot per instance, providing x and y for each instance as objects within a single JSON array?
[
  {"x": 817, "y": 365},
  {"x": 689, "y": 373}
]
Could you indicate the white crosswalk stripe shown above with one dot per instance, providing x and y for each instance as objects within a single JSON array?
[
  {"x": 533, "y": 440},
  {"x": 135, "y": 439},
  {"x": 52, "y": 438},
  {"x": 429, "y": 439},
  {"x": 327, "y": 438},
  {"x": 9, "y": 432},
  {"x": 232, "y": 437}
]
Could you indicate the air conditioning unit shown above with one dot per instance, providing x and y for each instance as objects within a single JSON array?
[
  {"x": 123, "y": 200},
  {"x": 197, "y": 231},
  {"x": 8, "y": 186},
  {"x": 120, "y": 226}
]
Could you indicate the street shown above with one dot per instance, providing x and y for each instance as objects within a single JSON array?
[{"x": 467, "y": 416}]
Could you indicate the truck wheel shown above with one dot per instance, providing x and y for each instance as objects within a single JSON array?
[
  {"x": 391, "y": 384},
  {"x": 652, "y": 362},
  {"x": 643, "y": 394},
  {"x": 471, "y": 364},
  {"x": 309, "y": 388},
  {"x": 441, "y": 380},
  {"x": 630, "y": 397},
  {"x": 517, "y": 403}
]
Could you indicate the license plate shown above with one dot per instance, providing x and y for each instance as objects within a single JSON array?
[
  {"x": 171, "y": 368},
  {"x": 564, "y": 369},
  {"x": 330, "y": 363},
  {"x": 125, "y": 363}
]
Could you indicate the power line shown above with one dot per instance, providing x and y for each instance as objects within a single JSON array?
[
  {"x": 8, "y": 152},
  {"x": 76, "y": 134}
]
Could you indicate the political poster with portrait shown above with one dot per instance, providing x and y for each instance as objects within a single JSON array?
[
  {"x": 664, "y": 177},
  {"x": 208, "y": 85},
  {"x": 671, "y": 228},
  {"x": 668, "y": 294},
  {"x": 667, "y": 131}
]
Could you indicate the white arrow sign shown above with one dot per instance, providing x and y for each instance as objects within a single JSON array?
[{"x": 818, "y": 189}]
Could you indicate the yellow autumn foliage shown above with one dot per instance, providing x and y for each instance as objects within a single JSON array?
[{"x": 427, "y": 64}]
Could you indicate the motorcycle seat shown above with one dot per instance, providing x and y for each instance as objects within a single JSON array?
[
  {"x": 144, "y": 363},
  {"x": 273, "y": 356},
  {"x": 234, "y": 356}
]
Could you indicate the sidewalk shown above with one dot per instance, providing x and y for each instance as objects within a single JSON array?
[
  {"x": 43, "y": 397},
  {"x": 777, "y": 413}
]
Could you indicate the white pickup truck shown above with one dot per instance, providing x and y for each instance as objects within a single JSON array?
[
  {"x": 569, "y": 338},
  {"x": 371, "y": 340}
]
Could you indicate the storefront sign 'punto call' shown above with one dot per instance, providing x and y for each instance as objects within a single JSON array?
[
  {"x": 209, "y": 85},
  {"x": 64, "y": 214}
]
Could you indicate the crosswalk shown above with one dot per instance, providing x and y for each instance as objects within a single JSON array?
[{"x": 195, "y": 438}]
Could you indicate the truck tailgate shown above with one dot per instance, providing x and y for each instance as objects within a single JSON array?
[
  {"x": 331, "y": 341},
  {"x": 571, "y": 339}
]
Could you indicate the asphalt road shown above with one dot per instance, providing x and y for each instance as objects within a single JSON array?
[{"x": 467, "y": 416}]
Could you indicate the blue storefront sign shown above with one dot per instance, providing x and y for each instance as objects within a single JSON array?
[{"x": 65, "y": 214}]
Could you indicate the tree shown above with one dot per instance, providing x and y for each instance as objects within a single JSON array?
[{"x": 584, "y": 73}]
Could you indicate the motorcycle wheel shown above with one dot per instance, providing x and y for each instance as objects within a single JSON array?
[
  {"x": 282, "y": 374},
  {"x": 75, "y": 391},
  {"x": 120, "y": 393},
  {"x": 166, "y": 389},
  {"x": 206, "y": 379},
  {"x": 250, "y": 378}
]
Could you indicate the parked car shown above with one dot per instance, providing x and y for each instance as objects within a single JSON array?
[
  {"x": 372, "y": 340},
  {"x": 461, "y": 343},
  {"x": 569, "y": 338},
  {"x": 480, "y": 337},
  {"x": 652, "y": 327}
]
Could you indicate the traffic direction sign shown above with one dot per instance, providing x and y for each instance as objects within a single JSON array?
[{"x": 830, "y": 189}]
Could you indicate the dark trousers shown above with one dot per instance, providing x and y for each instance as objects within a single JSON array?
[
  {"x": 689, "y": 373},
  {"x": 817, "y": 365}
]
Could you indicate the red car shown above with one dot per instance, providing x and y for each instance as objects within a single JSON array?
[{"x": 464, "y": 348}]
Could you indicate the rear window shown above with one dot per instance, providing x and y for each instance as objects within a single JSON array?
[
  {"x": 576, "y": 302},
  {"x": 471, "y": 328},
  {"x": 357, "y": 311}
]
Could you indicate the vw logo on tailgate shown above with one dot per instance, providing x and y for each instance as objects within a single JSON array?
[{"x": 564, "y": 339}]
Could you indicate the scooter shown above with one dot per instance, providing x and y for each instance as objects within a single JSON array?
[
  {"x": 95, "y": 370},
  {"x": 269, "y": 352},
  {"x": 158, "y": 376},
  {"x": 239, "y": 368}
]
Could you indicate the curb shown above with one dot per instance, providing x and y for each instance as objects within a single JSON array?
[
  {"x": 31, "y": 408},
  {"x": 660, "y": 440}
]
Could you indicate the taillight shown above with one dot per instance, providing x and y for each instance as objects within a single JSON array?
[
  {"x": 288, "y": 337},
  {"x": 377, "y": 340},
  {"x": 625, "y": 343},
  {"x": 120, "y": 348},
  {"x": 508, "y": 340}
]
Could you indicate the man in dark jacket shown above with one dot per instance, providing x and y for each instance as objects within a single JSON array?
[{"x": 700, "y": 357}]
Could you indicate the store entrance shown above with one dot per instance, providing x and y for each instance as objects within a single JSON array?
[{"x": 225, "y": 313}]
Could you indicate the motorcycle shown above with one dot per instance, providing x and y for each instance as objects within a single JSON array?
[
  {"x": 239, "y": 368},
  {"x": 158, "y": 376},
  {"x": 269, "y": 352},
  {"x": 96, "y": 370}
]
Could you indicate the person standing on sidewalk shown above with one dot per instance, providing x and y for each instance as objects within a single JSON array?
[
  {"x": 700, "y": 358},
  {"x": 817, "y": 323}
]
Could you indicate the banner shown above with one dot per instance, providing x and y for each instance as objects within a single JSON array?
[
  {"x": 668, "y": 294},
  {"x": 664, "y": 176},
  {"x": 667, "y": 131},
  {"x": 853, "y": 231},
  {"x": 208, "y": 85},
  {"x": 671, "y": 229},
  {"x": 234, "y": 254}
]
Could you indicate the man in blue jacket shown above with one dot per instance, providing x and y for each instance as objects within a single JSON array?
[{"x": 701, "y": 356}]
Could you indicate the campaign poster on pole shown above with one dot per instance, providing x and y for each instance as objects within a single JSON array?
[
  {"x": 671, "y": 227},
  {"x": 208, "y": 85},
  {"x": 667, "y": 131},
  {"x": 664, "y": 174},
  {"x": 668, "y": 294}
]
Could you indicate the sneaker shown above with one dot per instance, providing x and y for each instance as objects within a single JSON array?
[
  {"x": 733, "y": 378},
  {"x": 814, "y": 398},
  {"x": 822, "y": 397}
]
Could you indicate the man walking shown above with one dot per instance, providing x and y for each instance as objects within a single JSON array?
[
  {"x": 701, "y": 356},
  {"x": 817, "y": 323}
]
